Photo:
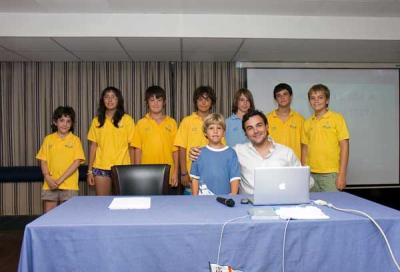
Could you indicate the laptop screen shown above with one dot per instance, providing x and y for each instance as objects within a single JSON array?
[{"x": 281, "y": 185}]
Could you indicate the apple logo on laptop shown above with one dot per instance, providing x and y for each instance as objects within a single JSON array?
[{"x": 282, "y": 186}]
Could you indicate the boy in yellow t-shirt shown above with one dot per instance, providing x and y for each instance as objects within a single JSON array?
[
  {"x": 285, "y": 124},
  {"x": 60, "y": 156},
  {"x": 190, "y": 132},
  {"x": 325, "y": 143},
  {"x": 155, "y": 134}
]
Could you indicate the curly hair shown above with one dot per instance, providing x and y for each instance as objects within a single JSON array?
[{"x": 60, "y": 112}]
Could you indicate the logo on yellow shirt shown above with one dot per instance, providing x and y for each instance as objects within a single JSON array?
[
  {"x": 168, "y": 128},
  {"x": 69, "y": 145},
  {"x": 293, "y": 125},
  {"x": 327, "y": 126}
]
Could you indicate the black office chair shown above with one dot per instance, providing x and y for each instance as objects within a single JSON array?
[{"x": 140, "y": 179}]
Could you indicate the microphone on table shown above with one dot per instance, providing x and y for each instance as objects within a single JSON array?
[{"x": 226, "y": 201}]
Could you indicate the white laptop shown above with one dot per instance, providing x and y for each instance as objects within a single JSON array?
[{"x": 281, "y": 185}]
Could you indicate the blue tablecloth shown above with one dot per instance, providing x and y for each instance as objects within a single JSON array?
[{"x": 181, "y": 233}]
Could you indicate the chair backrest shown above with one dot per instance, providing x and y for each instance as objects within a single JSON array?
[{"x": 140, "y": 179}]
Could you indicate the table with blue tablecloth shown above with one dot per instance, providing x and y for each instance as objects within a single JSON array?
[{"x": 182, "y": 233}]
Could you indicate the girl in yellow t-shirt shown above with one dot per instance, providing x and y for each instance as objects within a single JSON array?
[
  {"x": 110, "y": 136},
  {"x": 60, "y": 156}
]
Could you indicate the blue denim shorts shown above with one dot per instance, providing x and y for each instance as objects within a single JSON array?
[{"x": 101, "y": 172}]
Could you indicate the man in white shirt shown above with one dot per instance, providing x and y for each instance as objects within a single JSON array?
[{"x": 260, "y": 151}]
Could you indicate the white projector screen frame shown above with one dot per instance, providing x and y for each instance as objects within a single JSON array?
[{"x": 367, "y": 98}]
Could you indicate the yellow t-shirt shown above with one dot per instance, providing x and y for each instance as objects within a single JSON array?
[
  {"x": 156, "y": 141},
  {"x": 60, "y": 153},
  {"x": 112, "y": 142},
  {"x": 322, "y": 137},
  {"x": 287, "y": 133},
  {"x": 190, "y": 134}
]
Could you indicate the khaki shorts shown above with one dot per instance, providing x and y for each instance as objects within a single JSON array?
[
  {"x": 58, "y": 195},
  {"x": 325, "y": 182}
]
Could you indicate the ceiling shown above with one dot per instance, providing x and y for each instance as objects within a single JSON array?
[
  {"x": 373, "y": 8},
  {"x": 195, "y": 49},
  {"x": 257, "y": 48}
]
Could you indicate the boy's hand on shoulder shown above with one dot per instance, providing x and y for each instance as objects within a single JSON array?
[
  {"x": 194, "y": 153},
  {"x": 340, "y": 182}
]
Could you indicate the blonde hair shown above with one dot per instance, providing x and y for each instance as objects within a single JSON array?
[
  {"x": 213, "y": 118},
  {"x": 319, "y": 88}
]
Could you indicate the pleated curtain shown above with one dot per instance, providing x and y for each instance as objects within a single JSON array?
[{"x": 30, "y": 91}]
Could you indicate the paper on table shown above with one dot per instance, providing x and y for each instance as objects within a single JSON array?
[
  {"x": 301, "y": 212},
  {"x": 125, "y": 203}
]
